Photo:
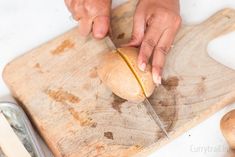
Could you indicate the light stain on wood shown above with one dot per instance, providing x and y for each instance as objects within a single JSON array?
[
  {"x": 86, "y": 86},
  {"x": 201, "y": 87},
  {"x": 37, "y": 65},
  {"x": 102, "y": 150},
  {"x": 66, "y": 44},
  {"x": 93, "y": 73},
  {"x": 164, "y": 103},
  {"x": 99, "y": 149},
  {"x": 80, "y": 117},
  {"x": 132, "y": 150},
  {"x": 62, "y": 96},
  {"x": 94, "y": 125}
]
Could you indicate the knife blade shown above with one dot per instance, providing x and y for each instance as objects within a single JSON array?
[{"x": 154, "y": 116}]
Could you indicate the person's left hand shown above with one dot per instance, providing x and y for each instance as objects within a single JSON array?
[
  {"x": 93, "y": 16},
  {"x": 156, "y": 23}
]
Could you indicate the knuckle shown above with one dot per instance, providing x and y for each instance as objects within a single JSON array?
[
  {"x": 134, "y": 37},
  {"x": 87, "y": 5},
  {"x": 163, "y": 49},
  {"x": 75, "y": 17},
  {"x": 142, "y": 58},
  {"x": 96, "y": 8},
  {"x": 149, "y": 42},
  {"x": 164, "y": 14},
  {"x": 145, "y": 54},
  {"x": 137, "y": 36},
  {"x": 178, "y": 20},
  {"x": 157, "y": 67}
]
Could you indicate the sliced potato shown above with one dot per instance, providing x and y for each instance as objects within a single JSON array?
[
  {"x": 118, "y": 70},
  {"x": 145, "y": 78}
]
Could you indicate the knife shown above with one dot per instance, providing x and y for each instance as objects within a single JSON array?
[{"x": 150, "y": 111}]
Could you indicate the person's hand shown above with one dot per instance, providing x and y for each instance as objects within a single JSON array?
[
  {"x": 155, "y": 26},
  {"x": 93, "y": 15}
]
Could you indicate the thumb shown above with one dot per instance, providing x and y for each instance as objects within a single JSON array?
[{"x": 101, "y": 26}]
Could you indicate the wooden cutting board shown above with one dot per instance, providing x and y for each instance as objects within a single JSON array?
[{"x": 78, "y": 116}]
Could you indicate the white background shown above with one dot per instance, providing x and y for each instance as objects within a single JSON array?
[{"x": 25, "y": 24}]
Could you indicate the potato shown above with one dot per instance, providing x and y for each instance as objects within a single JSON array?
[
  {"x": 119, "y": 71},
  {"x": 227, "y": 126}
]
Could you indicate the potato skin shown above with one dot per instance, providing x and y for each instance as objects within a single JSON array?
[
  {"x": 227, "y": 126},
  {"x": 145, "y": 77},
  {"x": 117, "y": 75}
]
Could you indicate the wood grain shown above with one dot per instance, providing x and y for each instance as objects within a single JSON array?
[{"x": 78, "y": 116}]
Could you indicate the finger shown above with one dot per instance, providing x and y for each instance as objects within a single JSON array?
[
  {"x": 76, "y": 9},
  {"x": 85, "y": 26},
  {"x": 160, "y": 52},
  {"x": 166, "y": 41},
  {"x": 157, "y": 65},
  {"x": 75, "y": 16},
  {"x": 110, "y": 32},
  {"x": 101, "y": 26},
  {"x": 138, "y": 30},
  {"x": 149, "y": 42},
  {"x": 68, "y": 4}
]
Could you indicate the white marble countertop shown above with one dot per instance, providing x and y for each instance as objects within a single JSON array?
[{"x": 25, "y": 24}]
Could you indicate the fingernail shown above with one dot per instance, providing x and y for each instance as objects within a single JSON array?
[
  {"x": 157, "y": 79},
  {"x": 142, "y": 66},
  {"x": 99, "y": 35}
]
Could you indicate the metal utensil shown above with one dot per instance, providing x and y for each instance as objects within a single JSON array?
[
  {"x": 154, "y": 116},
  {"x": 22, "y": 127}
]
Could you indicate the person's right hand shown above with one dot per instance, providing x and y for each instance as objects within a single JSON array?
[
  {"x": 93, "y": 15},
  {"x": 155, "y": 25}
]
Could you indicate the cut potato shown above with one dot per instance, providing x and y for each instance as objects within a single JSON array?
[
  {"x": 145, "y": 78},
  {"x": 119, "y": 71}
]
